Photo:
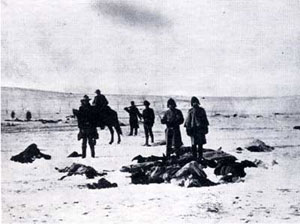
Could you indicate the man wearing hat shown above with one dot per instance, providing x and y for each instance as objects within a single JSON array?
[
  {"x": 87, "y": 126},
  {"x": 196, "y": 125},
  {"x": 149, "y": 117},
  {"x": 173, "y": 118}
]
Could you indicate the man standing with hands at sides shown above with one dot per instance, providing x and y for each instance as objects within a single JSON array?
[
  {"x": 149, "y": 117},
  {"x": 196, "y": 125},
  {"x": 173, "y": 118},
  {"x": 87, "y": 126},
  {"x": 134, "y": 114}
]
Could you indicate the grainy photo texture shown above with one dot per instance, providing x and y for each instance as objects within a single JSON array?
[{"x": 129, "y": 111}]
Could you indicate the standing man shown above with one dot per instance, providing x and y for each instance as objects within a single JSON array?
[
  {"x": 196, "y": 125},
  {"x": 134, "y": 114},
  {"x": 173, "y": 118},
  {"x": 87, "y": 126},
  {"x": 149, "y": 117}
]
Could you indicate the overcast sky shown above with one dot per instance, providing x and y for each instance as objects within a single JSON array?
[{"x": 203, "y": 48}]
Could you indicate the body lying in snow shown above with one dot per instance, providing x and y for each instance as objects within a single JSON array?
[
  {"x": 79, "y": 169},
  {"x": 29, "y": 155},
  {"x": 232, "y": 168}
]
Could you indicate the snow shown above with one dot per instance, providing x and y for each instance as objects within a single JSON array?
[{"x": 32, "y": 192}]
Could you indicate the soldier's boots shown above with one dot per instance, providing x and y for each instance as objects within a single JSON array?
[
  {"x": 147, "y": 142},
  {"x": 131, "y": 131},
  {"x": 152, "y": 139},
  {"x": 93, "y": 151},
  {"x": 200, "y": 152},
  {"x": 83, "y": 152},
  {"x": 92, "y": 146},
  {"x": 194, "y": 151},
  {"x": 169, "y": 152}
]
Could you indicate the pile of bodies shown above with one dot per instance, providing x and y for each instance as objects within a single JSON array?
[{"x": 184, "y": 170}]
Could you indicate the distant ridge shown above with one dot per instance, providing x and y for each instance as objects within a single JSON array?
[
  {"x": 7, "y": 88},
  {"x": 179, "y": 97},
  {"x": 46, "y": 104},
  {"x": 35, "y": 90}
]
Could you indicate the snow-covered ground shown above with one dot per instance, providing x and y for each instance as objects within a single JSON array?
[{"x": 32, "y": 192}]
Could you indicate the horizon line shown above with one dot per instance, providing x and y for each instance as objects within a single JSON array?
[{"x": 169, "y": 95}]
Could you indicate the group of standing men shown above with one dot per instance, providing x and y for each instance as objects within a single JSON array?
[
  {"x": 196, "y": 124},
  {"x": 148, "y": 117}
]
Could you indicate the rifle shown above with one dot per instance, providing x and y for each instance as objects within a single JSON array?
[{"x": 139, "y": 105}]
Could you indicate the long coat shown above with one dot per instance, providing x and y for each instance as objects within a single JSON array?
[
  {"x": 100, "y": 102},
  {"x": 173, "y": 119},
  {"x": 87, "y": 122},
  {"x": 149, "y": 117},
  {"x": 134, "y": 113},
  {"x": 196, "y": 125}
]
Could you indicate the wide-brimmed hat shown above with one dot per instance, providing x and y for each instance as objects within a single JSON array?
[
  {"x": 85, "y": 98},
  {"x": 171, "y": 102},
  {"x": 195, "y": 100},
  {"x": 146, "y": 103}
]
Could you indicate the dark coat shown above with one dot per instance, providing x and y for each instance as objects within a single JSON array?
[
  {"x": 134, "y": 114},
  {"x": 196, "y": 125},
  {"x": 101, "y": 106},
  {"x": 100, "y": 101},
  {"x": 87, "y": 122},
  {"x": 148, "y": 116},
  {"x": 173, "y": 119}
]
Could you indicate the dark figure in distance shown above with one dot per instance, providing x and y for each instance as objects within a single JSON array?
[
  {"x": 28, "y": 115},
  {"x": 134, "y": 114},
  {"x": 196, "y": 125},
  {"x": 149, "y": 117},
  {"x": 12, "y": 115},
  {"x": 101, "y": 104},
  {"x": 87, "y": 126},
  {"x": 173, "y": 118}
]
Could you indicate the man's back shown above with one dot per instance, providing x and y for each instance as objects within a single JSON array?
[{"x": 100, "y": 101}]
